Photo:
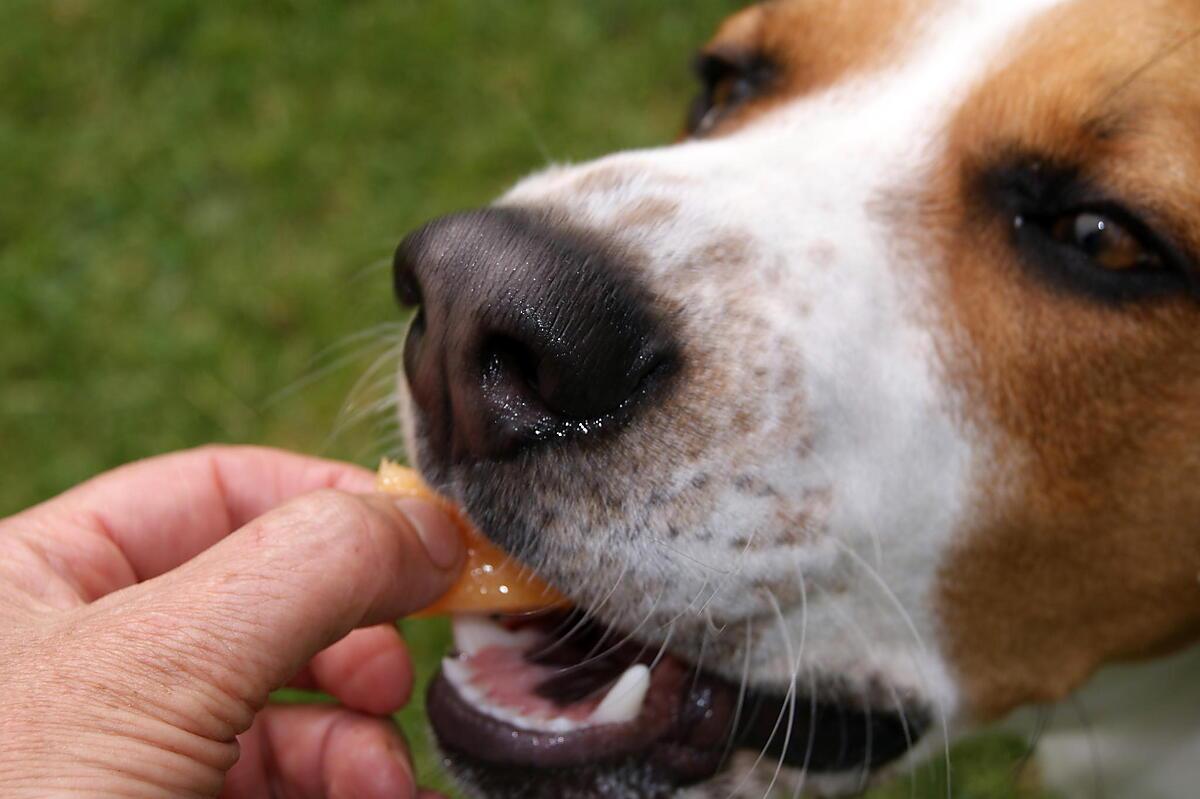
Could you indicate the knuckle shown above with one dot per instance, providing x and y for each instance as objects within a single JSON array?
[{"x": 331, "y": 510}]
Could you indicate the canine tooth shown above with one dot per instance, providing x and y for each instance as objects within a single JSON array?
[
  {"x": 458, "y": 673},
  {"x": 474, "y": 633},
  {"x": 624, "y": 699}
]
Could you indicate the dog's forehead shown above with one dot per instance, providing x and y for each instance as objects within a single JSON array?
[
  {"x": 820, "y": 44},
  {"x": 817, "y": 45},
  {"x": 876, "y": 81}
]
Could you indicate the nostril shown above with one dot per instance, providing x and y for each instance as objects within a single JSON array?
[
  {"x": 506, "y": 360},
  {"x": 551, "y": 387},
  {"x": 659, "y": 367}
]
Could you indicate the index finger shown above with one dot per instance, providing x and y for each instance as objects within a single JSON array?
[{"x": 141, "y": 520}]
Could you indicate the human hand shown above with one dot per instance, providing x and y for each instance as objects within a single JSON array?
[{"x": 146, "y": 615}]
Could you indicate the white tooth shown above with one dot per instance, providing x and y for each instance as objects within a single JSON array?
[
  {"x": 475, "y": 633},
  {"x": 624, "y": 700},
  {"x": 458, "y": 674}
]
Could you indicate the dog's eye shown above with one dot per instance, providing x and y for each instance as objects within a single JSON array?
[
  {"x": 727, "y": 81},
  {"x": 1106, "y": 241},
  {"x": 1074, "y": 233},
  {"x": 1104, "y": 251}
]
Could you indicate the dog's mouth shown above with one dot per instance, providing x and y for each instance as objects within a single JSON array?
[{"x": 555, "y": 694}]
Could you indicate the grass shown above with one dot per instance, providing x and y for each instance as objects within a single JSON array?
[{"x": 200, "y": 200}]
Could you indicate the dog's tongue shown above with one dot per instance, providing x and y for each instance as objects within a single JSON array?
[{"x": 522, "y": 698}]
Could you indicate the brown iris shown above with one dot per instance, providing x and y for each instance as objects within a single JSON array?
[{"x": 1108, "y": 243}]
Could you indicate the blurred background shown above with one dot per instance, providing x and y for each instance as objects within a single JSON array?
[{"x": 199, "y": 201}]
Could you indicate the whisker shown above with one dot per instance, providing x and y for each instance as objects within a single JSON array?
[
  {"x": 380, "y": 411},
  {"x": 902, "y": 612},
  {"x": 812, "y": 688},
  {"x": 1189, "y": 38},
  {"x": 388, "y": 357},
  {"x": 662, "y": 649},
  {"x": 597, "y": 654},
  {"x": 849, "y": 622},
  {"x": 1085, "y": 720},
  {"x": 788, "y": 710},
  {"x": 371, "y": 269},
  {"x": 1045, "y": 717},
  {"x": 743, "y": 685},
  {"x": 790, "y": 698},
  {"x": 584, "y": 616},
  {"x": 343, "y": 352},
  {"x": 734, "y": 570},
  {"x": 538, "y": 142},
  {"x": 709, "y": 624},
  {"x": 698, "y": 663}
]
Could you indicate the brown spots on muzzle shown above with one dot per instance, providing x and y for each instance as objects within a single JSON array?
[
  {"x": 727, "y": 254},
  {"x": 1085, "y": 546},
  {"x": 602, "y": 180},
  {"x": 647, "y": 212}
]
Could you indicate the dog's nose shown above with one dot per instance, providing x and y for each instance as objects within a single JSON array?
[{"x": 524, "y": 333}]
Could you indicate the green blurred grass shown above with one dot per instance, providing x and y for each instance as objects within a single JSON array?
[{"x": 198, "y": 202}]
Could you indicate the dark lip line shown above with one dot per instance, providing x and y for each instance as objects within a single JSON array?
[
  {"x": 824, "y": 735},
  {"x": 544, "y": 750}
]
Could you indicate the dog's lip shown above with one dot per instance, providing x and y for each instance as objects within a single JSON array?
[
  {"x": 687, "y": 724},
  {"x": 681, "y": 723}
]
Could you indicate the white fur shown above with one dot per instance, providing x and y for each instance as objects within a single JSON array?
[{"x": 886, "y": 438}]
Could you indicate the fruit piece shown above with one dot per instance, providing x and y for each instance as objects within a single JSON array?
[{"x": 491, "y": 581}]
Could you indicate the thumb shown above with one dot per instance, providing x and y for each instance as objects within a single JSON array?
[{"x": 241, "y": 618}]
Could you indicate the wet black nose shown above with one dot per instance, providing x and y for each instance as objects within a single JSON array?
[{"x": 525, "y": 333}]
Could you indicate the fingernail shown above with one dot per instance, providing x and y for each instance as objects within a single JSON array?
[{"x": 439, "y": 533}]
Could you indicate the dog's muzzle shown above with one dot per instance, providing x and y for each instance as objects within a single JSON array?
[{"x": 530, "y": 334}]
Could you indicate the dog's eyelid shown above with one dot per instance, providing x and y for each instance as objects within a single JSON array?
[
  {"x": 729, "y": 78},
  {"x": 720, "y": 63}
]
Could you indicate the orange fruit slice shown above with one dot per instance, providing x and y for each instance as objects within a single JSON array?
[{"x": 491, "y": 581}]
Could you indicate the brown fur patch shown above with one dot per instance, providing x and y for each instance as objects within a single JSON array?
[
  {"x": 815, "y": 44},
  {"x": 1088, "y": 543}
]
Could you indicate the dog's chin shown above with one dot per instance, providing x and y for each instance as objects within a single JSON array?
[{"x": 630, "y": 778}]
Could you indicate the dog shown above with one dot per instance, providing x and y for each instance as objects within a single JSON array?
[{"x": 861, "y": 418}]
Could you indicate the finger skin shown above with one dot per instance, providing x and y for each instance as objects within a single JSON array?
[
  {"x": 369, "y": 670},
  {"x": 241, "y": 618},
  {"x": 323, "y": 753},
  {"x": 141, "y": 520},
  {"x": 147, "y": 688}
]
